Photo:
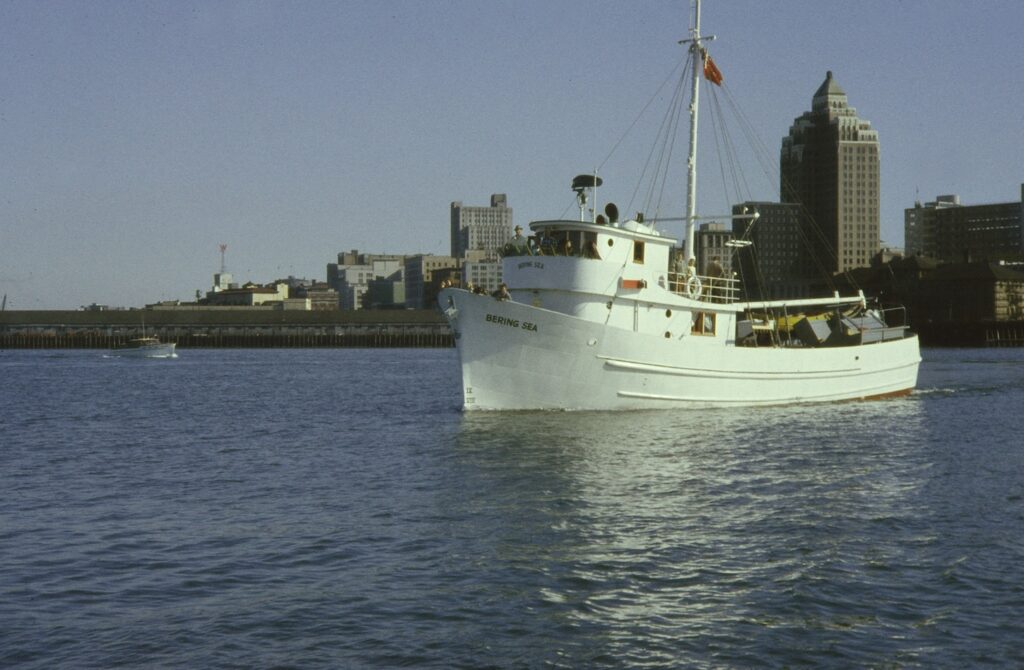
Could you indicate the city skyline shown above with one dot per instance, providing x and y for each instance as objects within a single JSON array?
[{"x": 137, "y": 138}]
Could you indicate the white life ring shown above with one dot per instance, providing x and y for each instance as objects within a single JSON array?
[{"x": 693, "y": 287}]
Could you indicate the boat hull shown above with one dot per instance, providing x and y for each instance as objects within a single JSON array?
[
  {"x": 515, "y": 356},
  {"x": 160, "y": 350}
]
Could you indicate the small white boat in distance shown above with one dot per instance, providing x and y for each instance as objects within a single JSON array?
[
  {"x": 145, "y": 347},
  {"x": 598, "y": 316}
]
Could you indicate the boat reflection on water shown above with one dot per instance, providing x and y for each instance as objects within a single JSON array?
[{"x": 702, "y": 526}]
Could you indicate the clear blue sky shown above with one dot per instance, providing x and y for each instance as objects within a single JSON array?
[{"x": 135, "y": 137}]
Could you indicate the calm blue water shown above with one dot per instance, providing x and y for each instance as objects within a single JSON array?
[{"x": 333, "y": 508}]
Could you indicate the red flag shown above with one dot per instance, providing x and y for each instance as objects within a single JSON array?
[{"x": 711, "y": 71}]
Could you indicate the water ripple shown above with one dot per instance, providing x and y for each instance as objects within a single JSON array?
[{"x": 158, "y": 516}]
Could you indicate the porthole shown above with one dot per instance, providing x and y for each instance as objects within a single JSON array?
[
  {"x": 610, "y": 241},
  {"x": 668, "y": 335},
  {"x": 668, "y": 314}
]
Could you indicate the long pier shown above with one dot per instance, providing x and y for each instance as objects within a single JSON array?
[
  {"x": 971, "y": 334},
  {"x": 268, "y": 328},
  {"x": 224, "y": 328},
  {"x": 1005, "y": 335}
]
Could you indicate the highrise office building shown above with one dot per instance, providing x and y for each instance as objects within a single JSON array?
[
  {"x": 480, "y": 228},
  {"x": 773, "y": 265},
  {"x": 918, "y": 223},
  {"x": 711, "y": 244},
  {"x": 951, "y": 232},
  {"x": 830, "y": 165}
]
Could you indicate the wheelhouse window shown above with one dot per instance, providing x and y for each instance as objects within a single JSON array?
[
  {"x": 703, "y": 323},
  {"x": 638, "y": 252}
]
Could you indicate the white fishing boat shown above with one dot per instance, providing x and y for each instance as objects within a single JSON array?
[
  {"x": 597, "y": 316},
  {"x": 145, "y": 347}
]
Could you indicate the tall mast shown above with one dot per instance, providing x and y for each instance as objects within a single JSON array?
[{"x": 696, "y": 55}]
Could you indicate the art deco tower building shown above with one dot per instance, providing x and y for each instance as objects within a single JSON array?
[{"x": 830, "y": 165}]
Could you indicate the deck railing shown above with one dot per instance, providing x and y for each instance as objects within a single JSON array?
[
  {"x": 698, "y": 287},
  {"x": 703, "y": 288},
  {"x": 550, "y": 247}
]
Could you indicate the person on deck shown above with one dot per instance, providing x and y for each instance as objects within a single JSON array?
[
  {"x": 679, "y": 264},
  {"x": 714, "y": 269},
  {"x": 518, "y": 244}
]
